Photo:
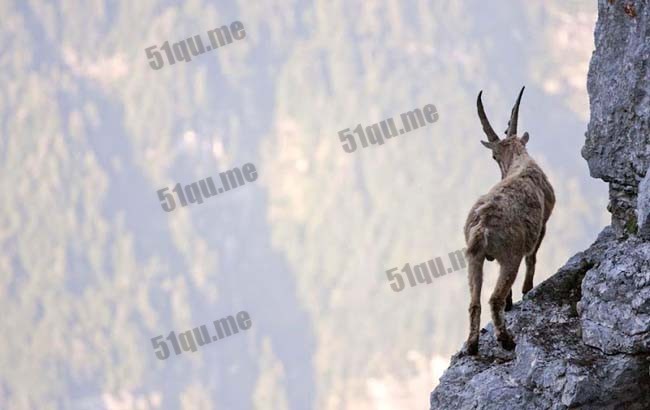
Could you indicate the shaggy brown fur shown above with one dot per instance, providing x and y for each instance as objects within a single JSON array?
[{"x": 507, "y": 224}]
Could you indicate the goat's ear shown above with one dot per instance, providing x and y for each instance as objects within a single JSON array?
[
  {"x": 524, "y": 138},
  {"x": 487, "y": 144}
]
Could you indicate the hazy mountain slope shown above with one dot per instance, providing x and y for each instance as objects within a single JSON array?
[{"x": 91, "y": 268}]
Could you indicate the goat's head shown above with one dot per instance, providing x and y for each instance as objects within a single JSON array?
[{"x": 504, "y": 151}]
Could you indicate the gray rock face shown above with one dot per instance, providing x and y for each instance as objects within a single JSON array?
[
  {"x": 615, "y": 305},
  {"x": 617, "y": 147},
  {"x": 643, "y": 207},
  {"x": 583, "y": 336},
  {"x": 569, "y": 354}
]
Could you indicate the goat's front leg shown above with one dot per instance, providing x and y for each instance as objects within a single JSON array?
[
  {"x": 530, "y": 264},
  {"x": 509, "y": 301},
  {"x": 475, "y": 271},
  {"x": 506, "y": 278}
]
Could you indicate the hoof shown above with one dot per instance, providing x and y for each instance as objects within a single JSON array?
[
  {"x": 472, "y": 348},
  {"x": 507, "y": 343}
]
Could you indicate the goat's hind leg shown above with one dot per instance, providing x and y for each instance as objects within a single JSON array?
[
  {"x": 506, "y": 278},
  {"x": 531, "y": 260},
  {"x": 475, "y": 270}
]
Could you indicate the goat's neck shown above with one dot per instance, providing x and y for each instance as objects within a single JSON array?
[{"x": 519, "y": 161}]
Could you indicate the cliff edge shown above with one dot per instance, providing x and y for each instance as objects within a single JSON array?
[{"x": 583, "y": 335}]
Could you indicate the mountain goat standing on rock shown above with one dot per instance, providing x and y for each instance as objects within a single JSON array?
[{"x": 506, "y": 224}]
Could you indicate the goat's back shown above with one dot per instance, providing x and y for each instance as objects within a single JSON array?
[{"x": 509, "y": 218}]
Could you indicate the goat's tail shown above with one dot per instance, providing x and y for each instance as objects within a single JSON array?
[{"x": 476, "y": 240}]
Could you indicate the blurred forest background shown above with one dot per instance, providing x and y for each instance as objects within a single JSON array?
[{"x": 91, "y": 268}]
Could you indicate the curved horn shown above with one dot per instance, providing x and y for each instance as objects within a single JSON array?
[
  {"x": 512, "y": 124},
  {"x": 487, "y": 128}
]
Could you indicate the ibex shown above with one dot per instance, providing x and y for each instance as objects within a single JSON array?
[{"x": 507, "y": 224}]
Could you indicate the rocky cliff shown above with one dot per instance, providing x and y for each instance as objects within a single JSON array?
[{"x": 583, "y": 336}]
